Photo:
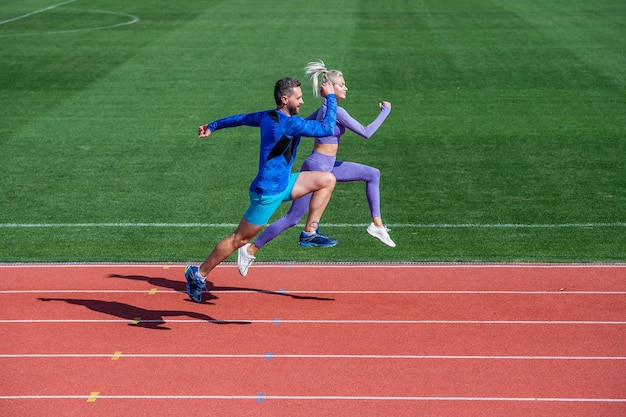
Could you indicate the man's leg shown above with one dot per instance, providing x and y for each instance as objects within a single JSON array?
[
  {"x": 247, "y": 253},
  {"x": 242, "y": 235},
  {"x": 321, "y": 184},
  {"x": 196, "y": 276}
]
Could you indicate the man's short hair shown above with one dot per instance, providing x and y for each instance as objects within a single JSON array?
[{"x": 284, "y": 87}]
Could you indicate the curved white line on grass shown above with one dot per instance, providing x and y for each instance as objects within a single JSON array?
[
  {"x": 405, "y": 225},
  {"x": 133, "y": 20},
  {"x": 45, "y": 9}
]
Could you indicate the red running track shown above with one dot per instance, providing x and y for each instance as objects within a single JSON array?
[{"x": 314, "y": 340}]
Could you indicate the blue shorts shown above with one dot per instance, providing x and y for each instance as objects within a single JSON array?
[{"x": 263, "y": 206}]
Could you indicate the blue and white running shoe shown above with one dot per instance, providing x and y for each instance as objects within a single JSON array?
[
  {"x": 317, "y": 239},
  {"x": 194, "y": 285}
]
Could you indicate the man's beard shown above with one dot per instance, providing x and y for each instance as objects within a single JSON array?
[{"x": 293, "y": 110}]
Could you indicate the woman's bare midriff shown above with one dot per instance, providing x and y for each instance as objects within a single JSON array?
[{"x": 329, "y": 149}]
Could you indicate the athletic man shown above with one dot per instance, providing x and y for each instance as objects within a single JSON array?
[{"x": 274, "y": 183}]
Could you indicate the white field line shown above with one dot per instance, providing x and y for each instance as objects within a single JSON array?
[
  {"x": 133, "y": 20},
  {"x": 45, "y": 9},
  {"x": 318, "y": 265},
  {"x": 359, "y": 225}
]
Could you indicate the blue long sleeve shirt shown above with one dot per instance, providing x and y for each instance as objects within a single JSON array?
[{"x": 280, "y": 137}]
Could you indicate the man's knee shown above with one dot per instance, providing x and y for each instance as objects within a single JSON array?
[
  {"x": 244, "y": 233},
  {"x": 311, "y": 182},
  {"x": 237, "y": 240},
  {"x": 327, "y": 180}
]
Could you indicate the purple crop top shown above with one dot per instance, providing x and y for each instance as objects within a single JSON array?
[{"x": 345, "y": 121}]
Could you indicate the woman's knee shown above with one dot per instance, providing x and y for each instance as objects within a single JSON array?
[{"x": 373, "y": 174}]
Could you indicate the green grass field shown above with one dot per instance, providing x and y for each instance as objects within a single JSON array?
[{"x": 506, "y": 142}]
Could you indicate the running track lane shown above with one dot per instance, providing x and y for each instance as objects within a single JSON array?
[{"x": 302, "y": 340}]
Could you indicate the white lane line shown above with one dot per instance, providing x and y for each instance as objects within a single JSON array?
[
  {"x": 260, "y": 291},
  {"x": 312, "y": 356},
  {"x": 314, "y": 398},
  {"x": 306, "y": 321}
]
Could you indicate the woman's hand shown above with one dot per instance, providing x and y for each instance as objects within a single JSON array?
[{"x": 384, "y": 103}]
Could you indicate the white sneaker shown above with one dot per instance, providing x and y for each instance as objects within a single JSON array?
[
  {"x": 381, "y": 234},
  {"x": 244, "y": 260}
]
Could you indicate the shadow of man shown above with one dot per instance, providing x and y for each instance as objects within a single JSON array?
[
  {"x": 181, "y": 286},
  {"x": 139, "y": 317}
]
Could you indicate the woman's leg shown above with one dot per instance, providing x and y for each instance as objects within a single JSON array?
[{"x": 352, "y": 171}]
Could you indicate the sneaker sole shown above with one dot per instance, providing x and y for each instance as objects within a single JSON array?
[
  {"x": 317, "y": 245},
  {"x": 380, "y": 240}
]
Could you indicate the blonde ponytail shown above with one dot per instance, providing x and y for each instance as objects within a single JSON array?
[{"x": 315, "y": 69}]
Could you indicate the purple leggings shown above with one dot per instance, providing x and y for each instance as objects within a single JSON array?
[{"x": 344, "y": 172}]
